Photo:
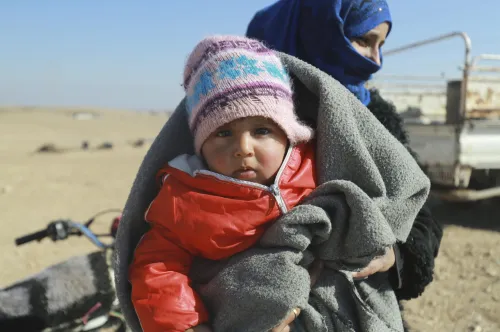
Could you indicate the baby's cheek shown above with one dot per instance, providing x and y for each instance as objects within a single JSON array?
[
  {"x": 271, "y": 159},
  {"x": 218, "y": 162}
]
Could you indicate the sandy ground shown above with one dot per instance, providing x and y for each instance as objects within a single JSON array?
[{"x": 36, "y": 188}]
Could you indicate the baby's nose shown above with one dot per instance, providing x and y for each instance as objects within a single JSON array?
[{"x": 244, "y": 146}]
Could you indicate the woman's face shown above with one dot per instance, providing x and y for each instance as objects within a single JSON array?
[{"x": 370, "y": 44}]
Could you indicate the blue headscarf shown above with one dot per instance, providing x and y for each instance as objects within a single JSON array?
[{"x": 319, "y": 32}]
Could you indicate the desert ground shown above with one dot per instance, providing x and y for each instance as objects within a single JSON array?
[{"x": 36, "y": 188}]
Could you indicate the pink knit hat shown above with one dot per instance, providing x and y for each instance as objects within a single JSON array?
[{"x": 228, "y": 78}]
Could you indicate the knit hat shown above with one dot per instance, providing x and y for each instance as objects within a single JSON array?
[{"x": 228, "y": 78}]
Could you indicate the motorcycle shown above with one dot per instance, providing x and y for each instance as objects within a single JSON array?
[{"x": 77, "y": 294}]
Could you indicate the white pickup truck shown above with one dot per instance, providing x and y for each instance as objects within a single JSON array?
[{"x": 453, "y": 125}]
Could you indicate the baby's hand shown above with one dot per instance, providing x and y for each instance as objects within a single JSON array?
[{"x": 200, "y": 328}]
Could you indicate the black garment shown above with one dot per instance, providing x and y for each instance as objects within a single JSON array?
[{"x": 414, "y": 267}]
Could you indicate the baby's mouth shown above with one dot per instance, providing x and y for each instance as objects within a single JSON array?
[{"x": 245, "y": 173}]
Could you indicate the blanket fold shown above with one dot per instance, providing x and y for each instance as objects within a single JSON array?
[{"x": 370, "y": 192}]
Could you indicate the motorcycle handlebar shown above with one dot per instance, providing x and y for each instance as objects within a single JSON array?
[
  {"x": 36, "y": 236},
  {"x": 61, "y": 230}
]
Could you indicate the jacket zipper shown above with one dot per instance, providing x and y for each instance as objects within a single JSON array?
[{"x": 274, "y": 189}]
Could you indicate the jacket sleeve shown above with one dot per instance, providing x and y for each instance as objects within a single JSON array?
[
  {"x": 415, "y": 260},
  {"x": 161, "y": 293}
]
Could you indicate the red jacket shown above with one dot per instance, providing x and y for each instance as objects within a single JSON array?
[{"x": 202, "y": 213}]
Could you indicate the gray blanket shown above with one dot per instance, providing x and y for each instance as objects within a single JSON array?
[{"x": 371, "y": 190}]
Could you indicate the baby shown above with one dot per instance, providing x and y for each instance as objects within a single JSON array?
[{"x": 254, "y": 161}]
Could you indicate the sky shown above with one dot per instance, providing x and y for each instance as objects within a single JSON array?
[{"x": 130, "y": 54}]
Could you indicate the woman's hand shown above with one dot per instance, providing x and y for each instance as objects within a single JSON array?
[
  {"x": 200, "y": 328},
  {"x": 285, "y": 325},
  {"x": 380, "y": 264}
]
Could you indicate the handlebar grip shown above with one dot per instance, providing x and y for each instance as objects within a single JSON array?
[{"x": 31, "y": 237}]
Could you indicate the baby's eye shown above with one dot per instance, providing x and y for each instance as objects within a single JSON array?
[
  {"x": 262, "y": 131},
  {"x": 223, "y": 133}
]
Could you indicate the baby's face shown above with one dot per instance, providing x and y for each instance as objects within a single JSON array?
[{"x": 250, "y": 149}]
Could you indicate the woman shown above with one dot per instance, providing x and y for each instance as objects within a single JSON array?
[{"x": 344, "y": 38}]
